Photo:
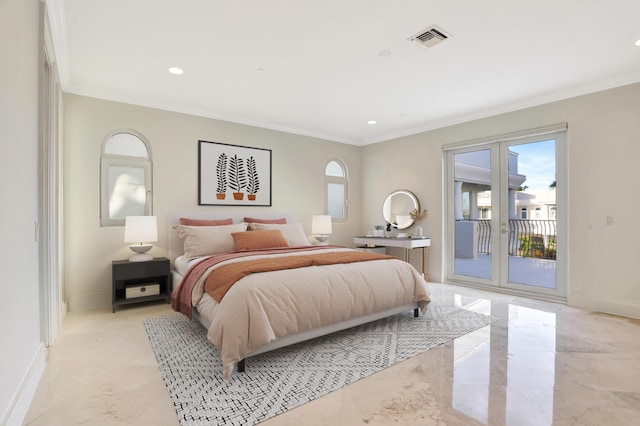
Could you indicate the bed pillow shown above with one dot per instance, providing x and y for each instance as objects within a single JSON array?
[
  {"x": 208, "y": 240},
  {"x": 268, "y": 238},
  {"x": 280, "y": 221},
  {"x": 293, "y": 232},
  {"x": 205, "y": 222}
]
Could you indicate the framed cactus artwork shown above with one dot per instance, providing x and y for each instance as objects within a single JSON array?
[{"x": 233, "y": 175}]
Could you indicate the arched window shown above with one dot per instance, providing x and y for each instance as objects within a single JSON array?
[
  {"x": 523, "y": 213},
  {"x": 125, "y": 177},
  {"x": 335, "y": 175}
]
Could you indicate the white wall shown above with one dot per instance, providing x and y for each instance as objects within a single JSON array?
[
  {"x": 604, "y": 149},
  {"x": 22, "y": 354},
  {"x": 298, "y": 164}
]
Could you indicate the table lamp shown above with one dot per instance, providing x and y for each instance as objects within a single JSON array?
[
  {"x": 321, "y": 228},
  {"x": 141, "y": 230}
]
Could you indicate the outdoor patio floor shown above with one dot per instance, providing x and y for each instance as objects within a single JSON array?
[{"x": 522, "y": 270}]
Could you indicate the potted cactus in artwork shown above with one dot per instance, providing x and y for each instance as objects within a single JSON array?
[
  {"x": 253, "y": 186},
  {"x": 237, "y": 177},
  {"x": 221, "y": 174}
]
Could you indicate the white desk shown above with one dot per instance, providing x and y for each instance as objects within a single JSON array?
[{"x": 407, "y": 244}]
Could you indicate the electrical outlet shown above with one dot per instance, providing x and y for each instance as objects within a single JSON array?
[{"x": 609, "y": 220}]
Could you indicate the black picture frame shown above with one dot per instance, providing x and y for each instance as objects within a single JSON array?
[{"x": 233, "y": 175}]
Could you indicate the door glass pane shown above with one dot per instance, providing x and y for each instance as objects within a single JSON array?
[
  {"x": 472, "y": 205},
  {"x": 532, "y": 234}
]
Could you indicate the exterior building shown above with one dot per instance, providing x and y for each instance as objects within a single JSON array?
[{"x": 532, "y": 224}]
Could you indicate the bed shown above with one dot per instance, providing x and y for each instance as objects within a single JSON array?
[{"x": 292, "y": 291}]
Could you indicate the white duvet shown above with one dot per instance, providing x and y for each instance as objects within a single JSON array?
[{"x": 266, "y": 306}]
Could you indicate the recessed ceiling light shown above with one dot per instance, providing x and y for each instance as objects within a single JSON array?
[
  {"x": 176, "y": 70},
  {"x": 638, "y": 43},
  {"x": 371, "y": 122}
]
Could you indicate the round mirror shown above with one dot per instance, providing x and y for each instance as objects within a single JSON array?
[{"x": 397, "y": 208}]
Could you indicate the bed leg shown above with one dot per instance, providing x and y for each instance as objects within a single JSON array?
[
  {"x": 416, "y": 313},
  {"x": 241, "y": 366}
]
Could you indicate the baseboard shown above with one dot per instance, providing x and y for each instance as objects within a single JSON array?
[
  {"x": 89, "y": 302},
  {"x": 620, "y": 307},
  {"x": 510, "y": 291},
  {"x": 24, "y": 395}
]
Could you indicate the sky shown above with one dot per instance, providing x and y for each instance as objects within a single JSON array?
[{"x": 537, "y": 161}]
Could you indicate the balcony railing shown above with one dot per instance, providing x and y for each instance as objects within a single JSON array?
[{"x": 527, "y": 238}]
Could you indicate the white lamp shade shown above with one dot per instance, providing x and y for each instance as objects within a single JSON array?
[
  {"x": 321, "y": 224},
  {"x": 140, "y": 229}
]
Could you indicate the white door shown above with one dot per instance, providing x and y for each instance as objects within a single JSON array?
[{"x": 505, "y": 213}]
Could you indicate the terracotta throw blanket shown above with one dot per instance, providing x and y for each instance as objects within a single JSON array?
[{"x": 224, "y": 277}]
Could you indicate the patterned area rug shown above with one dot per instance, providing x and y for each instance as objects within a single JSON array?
[{"x": 286, "y": 378}]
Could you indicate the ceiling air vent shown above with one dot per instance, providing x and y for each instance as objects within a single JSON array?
[{"x": 429, "y": 37}]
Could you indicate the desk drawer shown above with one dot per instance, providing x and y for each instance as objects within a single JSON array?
[{"x": 376, "y": 249}]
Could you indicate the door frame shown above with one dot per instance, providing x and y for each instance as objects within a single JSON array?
[
  {"x": 49, "y": 227},
  {"x": 499, "y": 264}
]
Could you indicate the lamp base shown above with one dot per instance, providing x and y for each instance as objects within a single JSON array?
[
  {"x": 141, "y": 253},
  {"x": 322, "y": 238}
]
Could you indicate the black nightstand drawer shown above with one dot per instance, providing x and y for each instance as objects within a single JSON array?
[{"x": 125, "y": 270}]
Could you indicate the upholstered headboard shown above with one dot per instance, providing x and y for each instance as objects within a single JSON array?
[{"x": 175, "y": 244}]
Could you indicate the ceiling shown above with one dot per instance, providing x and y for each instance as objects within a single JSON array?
[{"x": 325, "y": 68}]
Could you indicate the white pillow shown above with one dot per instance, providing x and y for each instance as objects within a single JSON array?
[
  {"x": 207, "y": 240},
  {"x": 293, "y": 232}
]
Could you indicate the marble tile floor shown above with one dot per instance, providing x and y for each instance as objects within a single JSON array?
[{"x": 541, "y": 363}]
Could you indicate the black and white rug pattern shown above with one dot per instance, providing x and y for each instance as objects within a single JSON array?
[{"x": 286, "y": 378}]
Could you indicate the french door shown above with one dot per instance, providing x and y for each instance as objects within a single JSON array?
[{"x": 505, "y": 212}]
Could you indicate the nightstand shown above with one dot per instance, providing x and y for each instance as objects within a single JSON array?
[{"x": 134, "y": 282}]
